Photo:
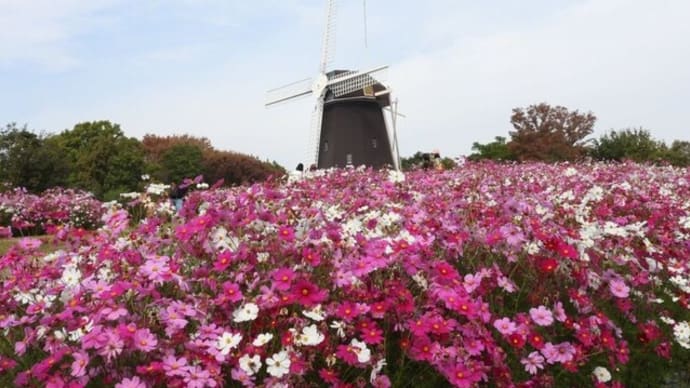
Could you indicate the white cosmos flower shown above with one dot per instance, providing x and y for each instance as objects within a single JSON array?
[
  {"x": 363, "y": 353},
  {"x": 278, "y": 364},
  {"x": 310, "y": 336},
  {"x": 681, "y": 331},
  {"x": 315, "y": 314},
  {"x": 71, "y": 276},
  {"x": 248, "y": 312},
  {"x": 227, "y": 342},
  {"x": 250, "y": 365},
  {"x": 602, "y": 374},
  {"x": 377, "y": 368},
  {"x": 339, "y": 327},
  {"x": 262, "y": 339},
  {"x": 395, "y": 176}
]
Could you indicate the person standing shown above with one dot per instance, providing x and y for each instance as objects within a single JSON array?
[{"x": 176, "y": 196}]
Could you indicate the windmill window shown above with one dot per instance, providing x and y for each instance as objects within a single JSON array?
[
  {"x": 374, "y": 143},
  {"x": 325, "y": 146},
  {"x": 348, "y": 159}
]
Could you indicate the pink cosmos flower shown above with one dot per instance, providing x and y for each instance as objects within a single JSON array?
[
  {"x": 471, "y": 282},
  {"x": 541, "y": 316},
  {"x": 144, "y": 340},
  {"x": 533, "y": 362},
  {"x": 347, "y": 311},
  {"x": 282, "y": 278},
  {"x": 467, "y": 307},
  {"x": 419, "y": 326},
  {"x": 175, "y": 366},
  {"x": 462, "y": 376},
  {"x": 223, "y": 261},
  {"x": 133, "y": 382},
  {"x": 286, "y": 233},
  {"x": 424, "y": 350},
  {"x": 155, "y": 270},
  {"x": 232, "y": 292},
  {"x": 29, "y": 243},
  {"x": 198, "y": 378},
  {"x": 506, "y": 284},
  {"x": 308, "y": 294},
  {"x": 372, "y": 335},
  {"x": 559, "y": 312},
  {"x": 112, "y": 347},
  {"x": 505, "y": 326},
  {"x": 378, "y": 309},
  {"x": 560, "y": 353},
  {"x": 474, "y": 347},
  {"x": 81, "y": 360},
  {"x": 5, "y": 232},
  {"x": 618, "y": 288}
]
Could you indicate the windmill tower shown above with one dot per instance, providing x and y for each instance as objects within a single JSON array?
[{"x": 349, "y": 125}]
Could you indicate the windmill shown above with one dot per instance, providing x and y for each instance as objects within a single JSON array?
[{"x": 349, "y": 126}]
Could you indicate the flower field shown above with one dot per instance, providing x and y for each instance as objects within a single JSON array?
[
  {"x": 24, "y": 214},
  {"x": 526, "y": 275}
]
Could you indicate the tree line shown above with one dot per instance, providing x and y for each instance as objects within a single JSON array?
[
  {"x": 98, "y": 157},
  {"x": 548, "y": 133}
]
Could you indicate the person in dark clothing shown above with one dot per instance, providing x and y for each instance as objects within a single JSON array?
[
  {"x": 300, "y": 167},
  {"x": 177, "y": 194}
]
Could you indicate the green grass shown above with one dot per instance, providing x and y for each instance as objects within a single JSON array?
[
  {"x": 47, "y": 246},
  {"x": 5, "y": 244}
]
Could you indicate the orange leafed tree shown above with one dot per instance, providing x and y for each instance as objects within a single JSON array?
[{"x": 549, "y": 133}]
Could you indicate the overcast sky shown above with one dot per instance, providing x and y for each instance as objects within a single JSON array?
[{"x": 458, "y": 67}]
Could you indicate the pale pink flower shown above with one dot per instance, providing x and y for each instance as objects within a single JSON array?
[
  {"x": 541, "y": 316},
  {"x": 175, "y": 366},
  {"x": 618, "y": 288},
  {"x": 533, "y": 362},
  {"x": 505, "y": 326},
  {"x": 133, "y": 382}
]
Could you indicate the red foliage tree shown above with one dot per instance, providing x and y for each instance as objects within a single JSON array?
[{"x": 547, "y": 133}]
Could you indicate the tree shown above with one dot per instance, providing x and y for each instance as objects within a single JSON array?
[
  {"x": 496, "y": 150},
  {"x": 102, "y": 159},
  {"x": 413, "y": 161},
  {"x": 551, "y": 134},
  {"x": 235, "y": 168},
  {"x": 679, "y": 153},
  {"x": 634, "y": 144},
  {"x": 181, "y": 161},
  {"x": 30, "y": 160},
  {"x": 425, "y": 160}
]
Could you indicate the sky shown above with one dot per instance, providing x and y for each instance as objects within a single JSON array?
[{"x": 457, "y": 67}]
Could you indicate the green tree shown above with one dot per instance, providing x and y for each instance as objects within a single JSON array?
[
  {"x": 412, "y": 162},
  {"x": 551, "y": 134},
  {"x": 30, "y": 160},
  {"x": 181, "y": 161},
  {"x": 496, "y": 150},
  {"x": 633, "y": 144},
  {"x": 679, "y": 153},
  {"x": 102, "y": 159}
]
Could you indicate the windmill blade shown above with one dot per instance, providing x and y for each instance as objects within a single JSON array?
[
  {"x": 315, "y": 135},
  {"x": 328, "y": 44},
  {"x": 288, "y": 92},
  {"x": 349, "y": 82},
  {"x": 395, "y": 112}
]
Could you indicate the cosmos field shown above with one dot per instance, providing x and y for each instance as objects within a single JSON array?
[{"x": 526, "y": 275}]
